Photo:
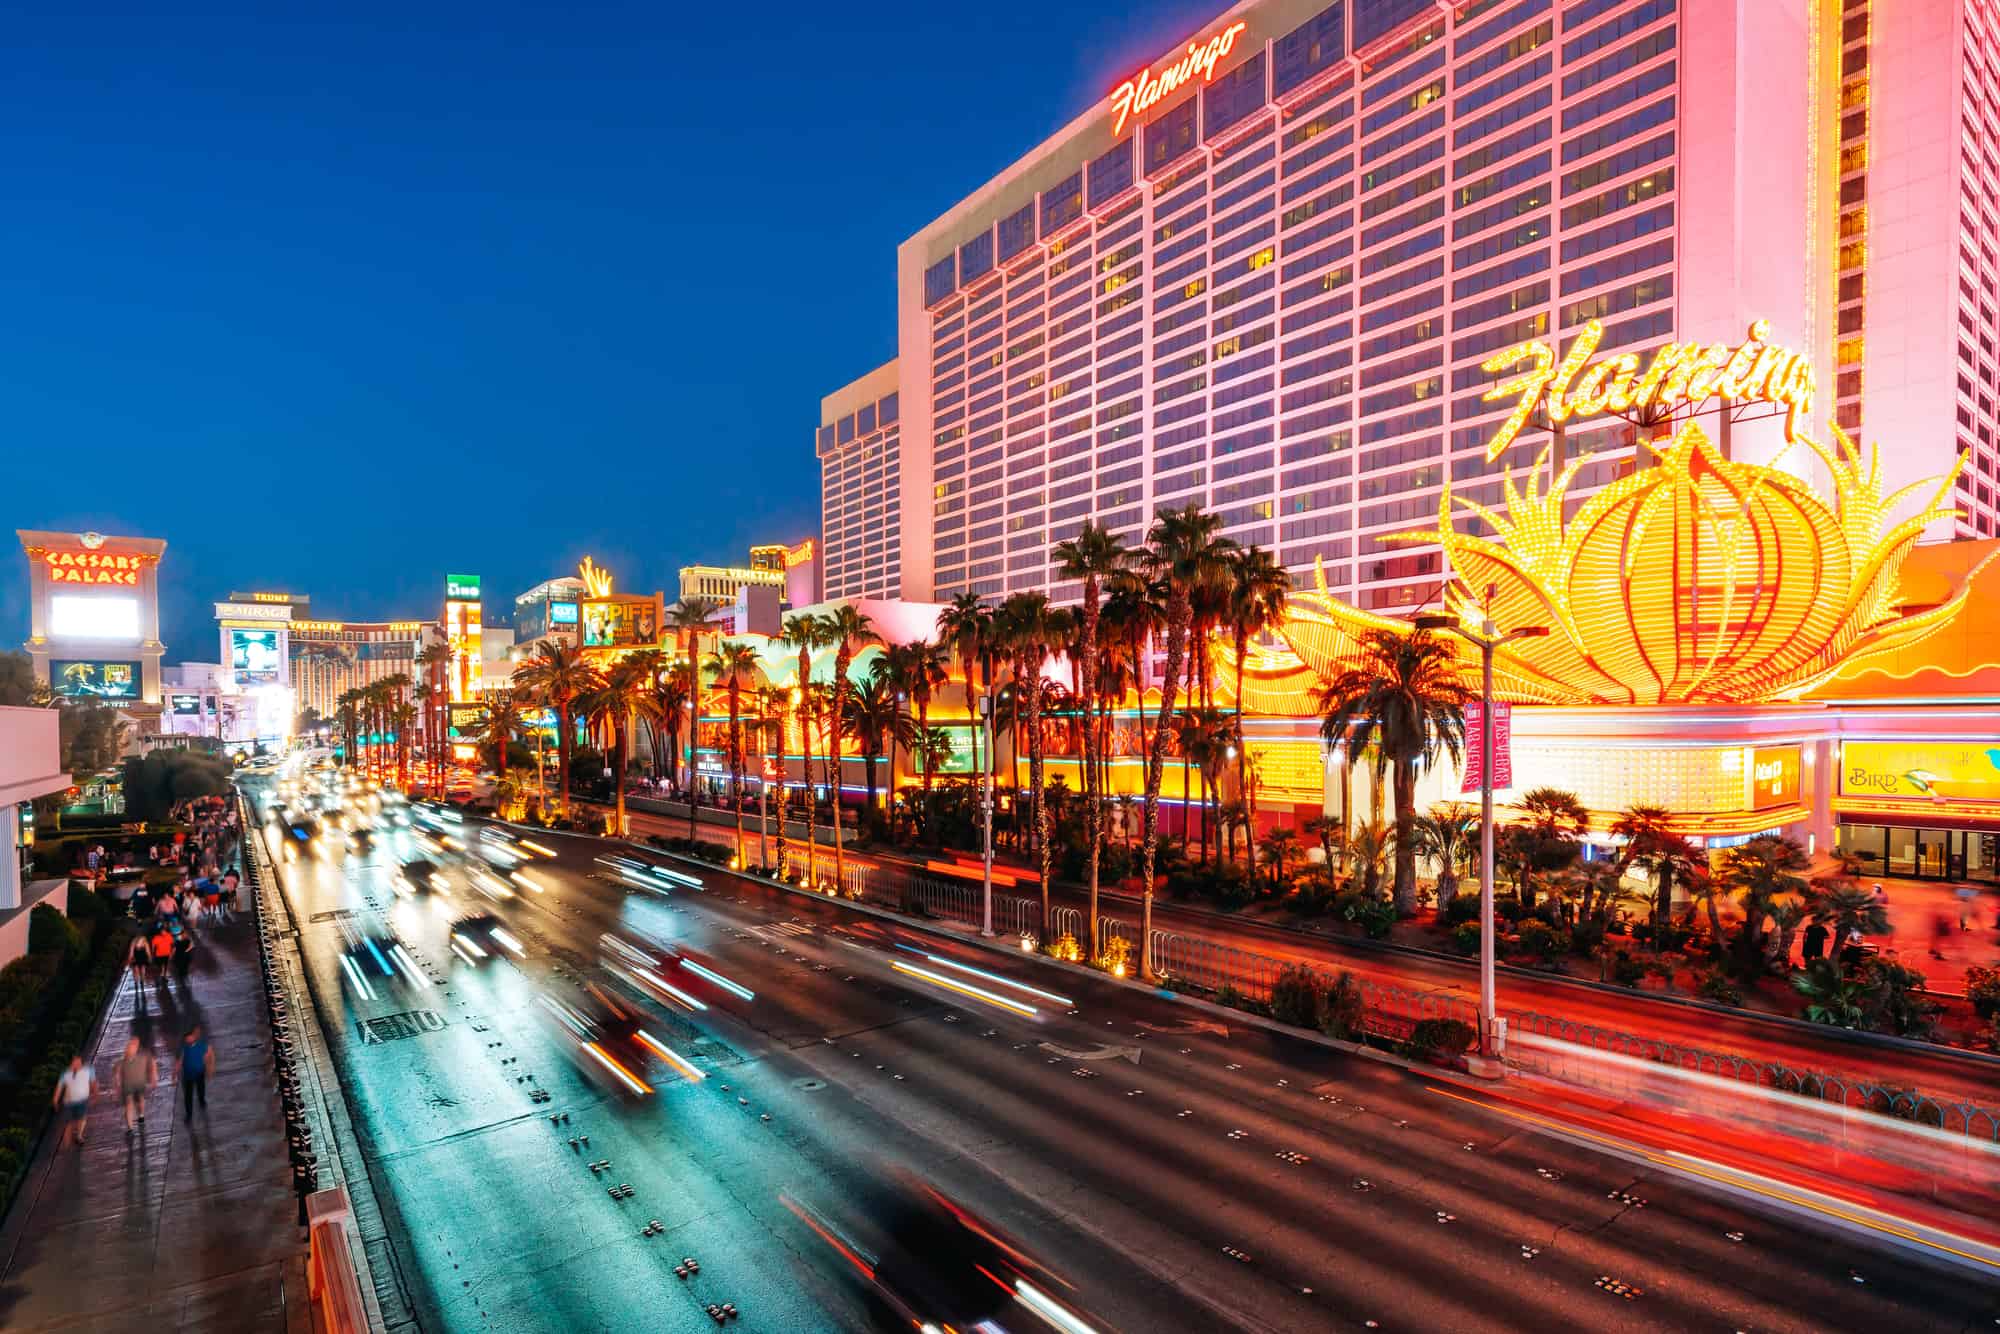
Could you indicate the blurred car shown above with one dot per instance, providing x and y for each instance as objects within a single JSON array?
[
  {"x": 647, "y": 875},
  {"x": 374, "y": 960},
  {"x": 608, "y": 1038},
  {"x": 420, "y": 875},
  {"x": 360, "y": 840},
  {"x": 929, "y": 1262},
  {"x": 479, "y": 937}
]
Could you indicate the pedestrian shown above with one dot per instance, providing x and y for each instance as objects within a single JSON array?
[
  {"x": 1854, "y": 951},
  {"x": 137, "y": 1073},
  {"x": 183, "y": 956},
  {"x": 1940, "y": 932},
  {"x": 1968, "y": 903},
  {"x": 140, "y": 959},
  {"x": 1814, "y": 946},
  {"x": 196, "y": 1062},
  {"x": 142, "y": 902},
  {"x": 163, "y": 952},
  {"x": 1882, "y": 898},
  {"x": 73, "y": 1090},
  {"x": 169, "y": 906},
  {"x": 211, "y": 902},
  {"x": 231, "y": 902}
]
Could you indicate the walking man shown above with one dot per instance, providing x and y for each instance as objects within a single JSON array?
[
  {"x": 1968, "y": 901},
  {"x": 73, "y": 1090},
  {"x": 163, "y": 952},
  {"x": 137, "y": 1073},
  {"x": 196, "y": 1061}
]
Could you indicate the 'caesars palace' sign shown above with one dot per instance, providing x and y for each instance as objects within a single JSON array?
[
  {"x": 93, "y": 567},
  {"x": 1680, "y": 374},
  {"x": 1146, "y": 88}
]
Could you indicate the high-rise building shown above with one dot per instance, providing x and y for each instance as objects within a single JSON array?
[
  {"x": 1264, "y": 273},
  {"x": 864, "y": 485},
  {"x": 1915, "y": 93}
]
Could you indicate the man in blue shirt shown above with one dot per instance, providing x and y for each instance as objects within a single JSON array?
[{"x": 196, "y": 1061}]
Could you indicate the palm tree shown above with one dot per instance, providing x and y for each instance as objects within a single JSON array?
[
  {"x": 1762, "y": 873},
  {"x": 804, "y": 631},
  {"x": 1024, "y": 626},
  {"x": 1834, "y": 996},
  {"x": 1094, "y": 555},
  {"x": 1448, "y": 835},
  {"x": 690, "y": 619},
  {"x": 1332, "y": 837},
  {"x": 1556, "y": 822},
  {"x": 965, "y": 628},
  {"x": 1652, "y": 845},
  {"x": 624, "y": 695},
  {"x": 846, "y": 629},
  {"x": 503, "y": 720},
  {"x": 1403, "y": 696},
  {"x": 1278, "y": 847},
  {"x": 921, "y": 669},
  {"x": 672, "y": 693},
  {"x": 435, "y": 659},
  {"x": 558, "y": 677},
  {"x": 1184, "y": 551},
  {"x": 1844, "y": 906},
  {"x": 401, "y": 717},
  {"x": 347, "y": 716},
  {"x": 731, "y": 665},
  {"x": 1257, "y": 589},
  {"x": 771, "y": 742},
  {"x": 1372, "y": 845},
  {"x": 876, "y": 719}
]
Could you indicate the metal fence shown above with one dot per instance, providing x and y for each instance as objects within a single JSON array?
[
  {"x": 961, "y": 901},
  {"x": 1857, "y": 1092}
]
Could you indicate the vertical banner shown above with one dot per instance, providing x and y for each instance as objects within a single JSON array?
[{"x": 1475, "y": 746}]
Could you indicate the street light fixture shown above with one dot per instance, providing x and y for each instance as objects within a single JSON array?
[
  {"x": 1492, "y": 1038},
  {"x": 986, "y": 816}
]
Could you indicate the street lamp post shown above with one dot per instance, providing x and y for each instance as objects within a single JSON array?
[
  {"x": 1492, "y": 1037},
  {"x": 986, "y": 818}
]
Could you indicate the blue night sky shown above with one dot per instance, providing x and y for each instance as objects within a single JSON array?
[{"x": 338, "y": 299}]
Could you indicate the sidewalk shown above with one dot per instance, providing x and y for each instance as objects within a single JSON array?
[
  {"x": 1914, "y": 908},
  {"x": 187, "y": 1226}
]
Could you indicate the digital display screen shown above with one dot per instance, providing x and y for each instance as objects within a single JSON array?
[
  {"x": 253, "y": 656},
  {"x": 94, "y": 679},
  {"x": 620, "y": 624},
  {"x": 186, "y": 705},
  {"x": 74, "y": 616},
  {"x": 466, "y": 720},
  {"x": 562, "y": 613}
]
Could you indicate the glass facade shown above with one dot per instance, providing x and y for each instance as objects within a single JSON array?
[{"x": 1284, "y": 319}]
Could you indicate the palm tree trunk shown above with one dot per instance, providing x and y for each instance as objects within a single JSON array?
[
  {"x": 736, "y": 766},
  {"x": 1093, "y": 817},
  {"x": 926, "y": 755},
  {"x": 618, "y": 734},
  {"x": 1177, "y": 622},
  {"x": 1405, "y": 893}
]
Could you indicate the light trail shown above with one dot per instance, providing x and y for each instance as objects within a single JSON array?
[
  {"x": 718, "y": 979},
  {"x": 672, "y": 1057},
  {"x": 966, "y": 989},
  {"x": 941, "y": 961},
  {"x": 624, "y": 1076}
]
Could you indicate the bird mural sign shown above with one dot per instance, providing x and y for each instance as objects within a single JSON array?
[{"x": 1922, "y": 770}]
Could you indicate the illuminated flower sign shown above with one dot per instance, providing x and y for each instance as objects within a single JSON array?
[{"x": 1697, "y": 580}]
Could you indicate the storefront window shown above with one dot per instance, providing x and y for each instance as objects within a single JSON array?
[{"x": 1902, "y": 852}]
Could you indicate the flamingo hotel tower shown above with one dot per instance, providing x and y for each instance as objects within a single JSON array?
[{"x": 1263, "y": 273}]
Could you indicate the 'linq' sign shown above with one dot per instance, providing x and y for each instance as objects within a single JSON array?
[{"x": 1475, "y": 746}]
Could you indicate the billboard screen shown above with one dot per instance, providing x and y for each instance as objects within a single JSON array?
[
  {"x": 253, "y": 656},
  {"x": 186, "y": 705},
  {"x": 562, "y": 613},
  {"x": 466, "y": 720},
  {"x": 94, "y": 679},
  {"x": 1774, "y": 776},
  {"x": 80, "y": 616},
  {"x": 616, "y": 623},
  {"x": 461, "y": 587},
  {"x": 1923, "y": 770}
]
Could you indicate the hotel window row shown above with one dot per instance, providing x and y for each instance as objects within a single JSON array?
[
  {"x": 1273, "y": 298},
  {"x": 861, "y": 505}
]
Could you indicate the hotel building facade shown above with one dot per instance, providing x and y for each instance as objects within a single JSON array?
[{"x": 1263, "y": 274}]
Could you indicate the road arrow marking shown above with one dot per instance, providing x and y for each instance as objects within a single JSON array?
[{"x": 1095, "y": 1054}]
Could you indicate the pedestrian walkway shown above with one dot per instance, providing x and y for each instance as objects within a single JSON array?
[
  {"x": 188, "y": 1225},
  {"x": 1916, "y": 907}
]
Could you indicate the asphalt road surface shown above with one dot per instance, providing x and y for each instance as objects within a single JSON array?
[{"x": 1177, "y": 1174}]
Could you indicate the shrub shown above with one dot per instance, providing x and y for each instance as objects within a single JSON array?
[
  {"x": 1374, "y": 916},
  {"x": 1586, "y": 936},
  {"x": 1117, "y": 956},
  {"x": 1441, "y": 1039},
  {"x": 1626, "y": 971},
  {"x": 1298, "y": 997},
  {"x": 1464, "y": 908},
  {"x": 1230, "y": 996},
  {"x": 1342, "y": 1012},
  {"x": 1465, "y": 939},
  {"x": 1982, "y": 988},
  {"x": 49, "y": 932},
  {"x": 1542, "y": 942},
  {"x": 1510, "y": 909},
  {"x": 1993, "y": 1035},
  {"x": 1716, "y": 985}
]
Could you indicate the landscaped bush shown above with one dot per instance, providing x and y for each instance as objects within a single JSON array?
[
  {"x": 1627, "y": 971},
  {"x": 1374, "y": 916},
  {"x": 1463, "y": 908},
  {"x": 1441, "y": 1039},
  {"x": 1465, "y": 938},
  {"x": 1982, "y": 988},
  {"x": 1509, "y": 909},
  {"x": 1718, "y": 986},
  {"x": 1343, "y": 1011},
  {"x": 1541, "y": 942},
  {"x": 1298, "y": 997}
]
